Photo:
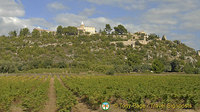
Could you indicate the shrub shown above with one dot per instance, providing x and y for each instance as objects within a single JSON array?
[
  {"x": 110, "y": 71},
  {"x": 175, "y": 65},
  {"x": 145, "y": 68},
  {"x": 189, "y": 69},
  {"x": 7, "y": 67},
  {"x": 120, "y": 44},
  {"x": 122, "y": 68},
  {"x": 157, "y": 66},
  {"x": 61, "y": 65}
]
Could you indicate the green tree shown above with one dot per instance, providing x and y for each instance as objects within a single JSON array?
[
  {"x": 153, "y": 36},
  {"x": 198, "y": 64},
  {"x": 133, "y": 60},
  {"x": 175, "y": 65},
  {"x": 7, "y": 67},
  {"x": 24, "y": 32},
  {"x": 157, "y": 66},
  {"x": 12, "y": 33},
  {"x": 35, "y": 33},
  {"x": 108, "y": 28},
  {"x": 177, "y": 41},
  {"x": 110, "y": 71},
  {"x": 189, "y": 69},
  {"x": 120, "y": 29},
  {"x": 59, "y": 30},
  {"x": 70, "y": 30}
]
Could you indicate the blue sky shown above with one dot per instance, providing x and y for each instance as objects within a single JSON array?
[{"x": 177, "y": 19}]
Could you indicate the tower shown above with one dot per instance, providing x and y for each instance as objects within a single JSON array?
[{"x": 82, "y": 24}]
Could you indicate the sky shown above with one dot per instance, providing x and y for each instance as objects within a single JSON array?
[{"x": 177, "y": 19}]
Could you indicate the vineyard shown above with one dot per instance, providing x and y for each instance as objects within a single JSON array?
[{"x": 135, "y": 93}]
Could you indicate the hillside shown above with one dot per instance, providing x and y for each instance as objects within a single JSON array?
[{"x": 95, "y": 53}]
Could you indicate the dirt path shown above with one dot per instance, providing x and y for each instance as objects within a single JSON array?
[
  {"x": 83, "y": 107},
  {"x": 51, "y": 104}
]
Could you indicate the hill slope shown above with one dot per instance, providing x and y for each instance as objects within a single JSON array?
[{"x": 93, "y": 53}]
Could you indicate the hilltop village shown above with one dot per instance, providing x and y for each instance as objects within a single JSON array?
[
  {"x": 83, "y": 49},
  {"x": 131, "y": 38}
]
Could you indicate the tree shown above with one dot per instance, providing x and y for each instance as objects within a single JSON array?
[
  {"x": 120, "y": 29},
  {"x": 12, "y": 33},
  {"x": 24, "y": 32},
  {"x": 70, "y": 30},
  {"x": 108, "y": 29},
  {"x": 157, "y": 66},
  {"x": 189, "y": 69},
  {"x": 177, "y": 41},
  {"x": 59, "y": 30},
  {"x": 133, "y": 59},
  {"x": 7, "y": 67},
  {"x": 175, "y": 65},
  {"x": 110, "y": 71},
  {"x": 153, "y": 36},
  {"x": 35, "y": 33}
]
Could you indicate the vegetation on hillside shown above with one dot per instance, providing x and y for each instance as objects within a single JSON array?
[{"x": 93, "y": 53}]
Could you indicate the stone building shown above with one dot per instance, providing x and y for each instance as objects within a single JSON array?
[
  {"x": 198, "y": 52},
  {"x": 85, "y": 29},
  {"x": 141, "y": 37}
]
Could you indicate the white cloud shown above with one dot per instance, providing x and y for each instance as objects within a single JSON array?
[
  {"x": 56, "y": 6},
  {"x": 125, "y": 4},
  {"x": 8, "y": 24},
  {"x": 11, "y": 8},
  {"x": 10, "y": 11},
  {"x": 88, "y": 12},
  {"x": 190, "y": 20}
]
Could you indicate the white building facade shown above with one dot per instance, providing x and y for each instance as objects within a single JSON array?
[{"x": 90, "y": 30}]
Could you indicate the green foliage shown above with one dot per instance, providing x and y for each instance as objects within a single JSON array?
[
  {"x": 120, "y": 29},
  {"x": 157, "y": 66},
  {"x": 59, "y": 30},
  {"x": 174, "y": 53},
  {"x": 13, "y": 33},
  {"x": 35, "y": 100},
  {"x": 138, "y": 43},
  {"x": 120, "y": 44},
  {"x": 153, "y": 37},
  {"x": 136, "y": 89},
  {"x": 122, "y": 68},
  {"x": 134, "y": 59},
  {"x": 110, "y": 71},
  {"x": 175, "y": 65},
  {"x": 61, "y": 65},
  {"x": 7, "y": 67},
  {"x": 35, "y": 33},
  {"x": 47, "y": 63},
  {"x": 24, "y": 32},
  {"x": 32, "y": 92},
  {"x": 198, "y": 64},
  {"x": 190, "y": 69},
  {"x": 65, "y": 99},
  {"x": 82, "y": 53},
  {"x": 108, "y": 28},
  {"x": 70, "y": 30},
  {"x": 177, "y": 41}
]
